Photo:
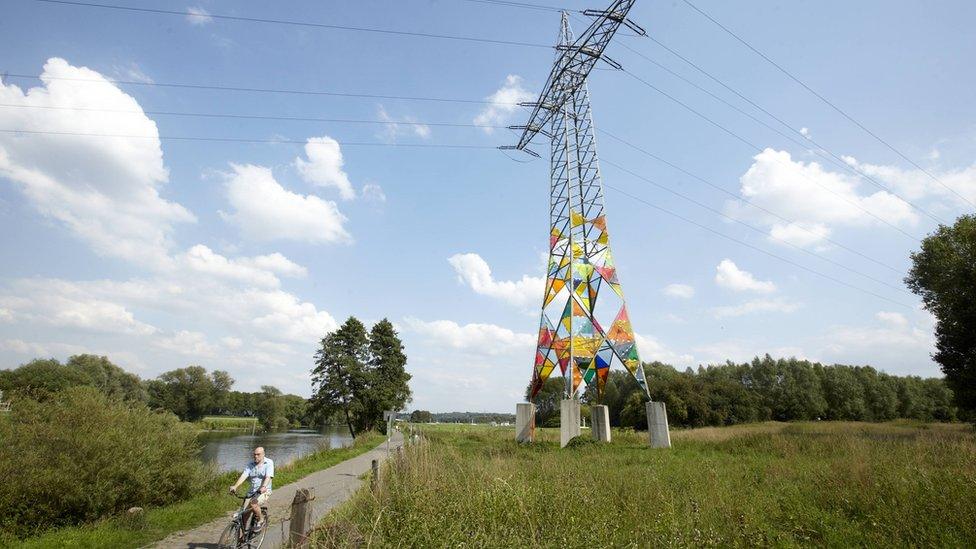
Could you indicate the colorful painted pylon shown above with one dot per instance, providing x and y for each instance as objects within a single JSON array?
[{"x": 584, "y": 328}]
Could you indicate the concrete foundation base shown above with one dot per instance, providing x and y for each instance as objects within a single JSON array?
[
  {"x": 525, "y": 422},
  {"x": 657, "y": 425},
  {"x": 569, "y": 420},
  {"x": 600, "y": 422}
]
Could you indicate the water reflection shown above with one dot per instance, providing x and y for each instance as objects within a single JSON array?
[{"x": 230, "y": 451}]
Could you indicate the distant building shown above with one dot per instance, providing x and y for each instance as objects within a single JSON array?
[{"x": 4, "y": 405}]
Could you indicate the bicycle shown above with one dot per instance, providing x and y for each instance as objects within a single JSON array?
[{"x": 238, "y": 535}]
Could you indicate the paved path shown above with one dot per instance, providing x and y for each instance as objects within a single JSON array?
[{"x": 332, "y": 486}]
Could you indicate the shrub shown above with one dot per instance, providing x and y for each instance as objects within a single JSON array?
[{"x": 80, "y": 455}]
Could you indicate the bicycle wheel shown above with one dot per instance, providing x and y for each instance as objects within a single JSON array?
[
  {"x": 258, "y": 538},
  {"x": 230, "y": 537}
]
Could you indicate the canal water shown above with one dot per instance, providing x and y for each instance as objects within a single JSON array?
[{"x": 230, "y": 451}]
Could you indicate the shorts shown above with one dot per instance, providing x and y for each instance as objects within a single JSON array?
[{"x": 261, "y": 499}]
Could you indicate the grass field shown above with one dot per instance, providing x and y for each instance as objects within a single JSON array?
[
  {"x": 825, "y": 484},
  {"x": 211, "y": 503}
]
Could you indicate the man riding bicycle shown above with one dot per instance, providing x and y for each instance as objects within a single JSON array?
[{"x": 260, "y": 471}]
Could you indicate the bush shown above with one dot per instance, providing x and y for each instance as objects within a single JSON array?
[{"x": 80, "y": 455}]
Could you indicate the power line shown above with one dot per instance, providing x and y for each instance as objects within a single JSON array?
[
  {"x": 760, "y": 149},
  {"x": 259, "y": 90},
  {"x": 459, "y": 125},
  {"x": 249, "y": 140},
  {"x": 744, "y": 201},
  {"x": 826, "y": 101},
  {"x": 819, "y": 149},
  {"x": 257, "y": 117},
  {"x": 297, "y": 23},
  {"x": 444, "y": 146},
  {"x": 756, "y": 248},
  {"x": 512, "y": 4},
  {"x": 753, "y": 227}
]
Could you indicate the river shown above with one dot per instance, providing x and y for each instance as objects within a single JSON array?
[{"x": 230, "y": 451}]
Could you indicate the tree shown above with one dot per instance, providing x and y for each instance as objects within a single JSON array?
[
  {"x": 44, "y": 377},
  {"x": 547, "y": 401},
  {"x": 41, "y": 378},
  {"x": 421, "y": 416},
  {"x": 111, "y": 380},
  {"x": 189, "y": 392},
  {"x": 339, "y": 375},
  {"x": 943, "y": 274},
  {"x": 270, "y": 409},
  {"x": 388, "y": 380}
]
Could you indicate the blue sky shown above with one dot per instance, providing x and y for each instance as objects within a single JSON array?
[{"x": 239, "y": 256}]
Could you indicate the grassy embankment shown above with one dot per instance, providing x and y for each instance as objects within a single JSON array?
[
  {"x": 228, "y": 423},
  {"x": 211, "y": 503},
  {"x": 832, "y": 484}
]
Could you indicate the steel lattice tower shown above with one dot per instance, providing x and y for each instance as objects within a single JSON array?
[{"x": 583, "y": 330}]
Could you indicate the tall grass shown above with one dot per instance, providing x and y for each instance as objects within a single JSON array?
[
  {"x": 835, "y": 484},
  {"x": 80, "y": 455}
]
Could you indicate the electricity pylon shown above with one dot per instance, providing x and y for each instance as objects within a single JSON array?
[{"x": 582, "y": 330}]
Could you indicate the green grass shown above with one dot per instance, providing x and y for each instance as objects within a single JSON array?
[
  {"x": 210, "y": 504},
  {"x": 772, "y": 484},
  {"x": 219, "y": 423}
]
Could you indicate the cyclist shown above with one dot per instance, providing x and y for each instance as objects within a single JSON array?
[{"x": 260, "y": 471}]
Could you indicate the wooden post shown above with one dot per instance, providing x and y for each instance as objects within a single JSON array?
[
  {"x": 376, "y": 475},
  {"x": 301, "y": 517}
]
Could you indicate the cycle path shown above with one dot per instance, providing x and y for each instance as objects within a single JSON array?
[{"x": 332, "y": 486}]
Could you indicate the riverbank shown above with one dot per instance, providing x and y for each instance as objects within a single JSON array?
[
  {"x": 780, "y": 484},
  {"x": 210, "y": 503}
]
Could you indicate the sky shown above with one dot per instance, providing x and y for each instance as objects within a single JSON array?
[{"x": 122, "y": 237}]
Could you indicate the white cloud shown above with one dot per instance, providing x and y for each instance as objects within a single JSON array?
[
  {"x": 897, "y": 345},
  {"x": 34, "y": 349},
  {"x": 482, "y": 339},
  {"x": 800, "y": 234},
  {"x": 133, "y": 72},
  {"x": 64, "y": 304},
  {"x": 683, "y": 291},
  {"x": 204, "y": 260},
  {"x": 915, "y": 184},
  {"x": 232, "y": 342},
  {"x": 406, "y": 125},
  {"x": 195, "y": 15},
  {"x": 105, "y": 190},
  {"x": 264, "y": 210},
  {"x": 651, "y": 349},
  {"x": 324, "y": 166},
  {"x": 730, "y": 276},
  {"x": 504, "y": 102},
  {"x": 805, "y": 132},
  {"x": 475, "y": 272},
  {"x": 815, "y": 199},
  {"x": 778, "y": 305},
  {"x": 738, "y": 350},
  {"x": 373, "y": 192},
  {"x": 895, "y": 319},
  {"x": 276, "y": 263},
  {"x": 187, "y": 343}
]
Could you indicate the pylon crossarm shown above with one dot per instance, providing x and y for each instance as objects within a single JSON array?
[{"x": 575, "y": 60}]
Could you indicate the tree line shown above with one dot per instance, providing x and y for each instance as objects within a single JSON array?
[
  {"x": 190, "y": 393},
  {"x": 785, "y": 389}
]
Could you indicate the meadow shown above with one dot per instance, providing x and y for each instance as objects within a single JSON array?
[{"x": 770, "y": 484}]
